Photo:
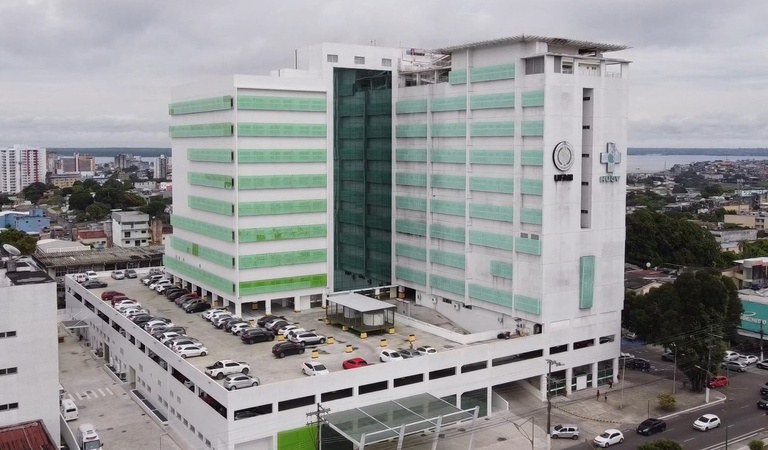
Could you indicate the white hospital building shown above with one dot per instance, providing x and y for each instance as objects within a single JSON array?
[{"x": 485, "y": 182}]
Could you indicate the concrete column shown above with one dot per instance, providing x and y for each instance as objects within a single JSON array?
[
  {"x": 267, "y": 306},
  {"x": 594, "y": 374},
  {"x": 568, "y": 378},
  {"x": 238, "y": 309},
  {"x": 297, "y": 306},
  {"x": 616, "y": 369},
  {"x": 543, "y": 387}
]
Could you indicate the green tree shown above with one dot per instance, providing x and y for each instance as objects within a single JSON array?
[
  {"x": 34, "y": 192},
  {"x": 155, "y": 208},
  {"x": 756, "y": 444},
  {"x": 80, "y": 200},
  {"x": 754, "y": 249},
  {"x": 712, "y": 190},
  {"x": 24, "y": 242},
  {"x": 4, "y": 200},
  {"x": 667, "y": 402},
  {"x": 661, "y": 444},
  {"x": 111, "y": 196},
  {"x": 97, "y": 211}
]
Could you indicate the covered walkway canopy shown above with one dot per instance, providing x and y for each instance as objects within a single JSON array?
[
  {"x": 360, "y": 313},
  {"x": 397, "y": 418}
]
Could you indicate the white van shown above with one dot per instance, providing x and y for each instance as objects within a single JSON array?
[
  {"x": 69, "y": 410},
  {"x": 88, "y": 438}
]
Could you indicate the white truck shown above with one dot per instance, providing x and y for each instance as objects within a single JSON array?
[
  {"x": 87, "y": 438},
  {"x": 222, "y": 368}
]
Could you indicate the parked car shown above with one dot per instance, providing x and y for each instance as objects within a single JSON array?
[
  {"x": 126, "y": 303},
  {"x": 651, "y": 426},
  {"x": 174, "y": 344},
  {"x": 197, "y": 307},
  {"x": 748, "y": 359},
  {"x": 183, "y": 298},
  {"x": 159, "y": 327},
  {"x": 734, "y": 366},
  {"x": 764, "y": 389},
  {"x": 283, "y": 349},
  {"x": 224, "y": 367},
  {"x": 639, "y": 364},
  {"x": 314, "y": 368},
  {"x": 239, "y": 328},
  {"x": 221, "y": 321},
  {"x": 118, "y": 274},
  {"x": 141, "y": 319},
  {"x": 276, "y": 324},
  {"x": 241, "y": 323},
  {"x": 165, "y": 336},
  {"x": 262, "y": 321},
  {"x": 308, "y": 338},
  {"x": 284, "y": 330},
  {"x": 130, "y": 273},
  {"x": 609, "y": 437},
  {"x": 294, "y": 332},
  {"x": 762, "y": 404},
  {"x": 91, "y": 275},
  {"x": 161, "y": 282},
  {"x": 208, "y": 314},
  {"x": 628, "y": 335},
  {"x": 717, "y": 382},
  {"x": 94, "y": 284},
  {"x": 389, "y": 355},
  {"x": 239, "y": 381},
  {"x": 257, "y": 335},
  {"x": 668, "y": 355},
  {"x": 706, "y": 422},
  {"x": 408, "y": 354},
  {"x": 426, "y": 350},
  {"x": 566, "y": 431},
  {"x": 187, "y": 351},
  {"x": 730, "y": 355},
  {"x": 174, "y": 294},
  {"x": 157, "y": 321},
  {"x": 354, "y": 363},
  {"x": 152, "y": 279},
  {"x": 176, "y": 329},
  {"x": 762, "y": 364},
  {"x": 108, "y": 295}
]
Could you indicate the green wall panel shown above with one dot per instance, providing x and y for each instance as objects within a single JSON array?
[
  {"x": 491, "y": 212},
  {"x": 527, "y": 304},
  {"x": 203, "y": 228},
  {"x": 532, "y": 158},
  {"x": 201, "y": 276},
  {"x": 531, "y": 187},
  {"x": 299, "y": 155},
  {"x": 447, "y": 284},
  {"x": 411, "y": 154},
  {"x": 493, "y": 101},
  {"x": 457, "y": 76},
  {"x": 448, "y": 181},
  {"x": 202, "y": 105},
  {"x": 411, "y": 251},
  {"x": 492, "y": 240},
  {"x": 411, "y": 203},
  {"x": 411, "y": 130},
  {"x": 411, "y": 179},
  {"x": 492, "y": 73},
  {"x": 283, "y": 233},
  {"x": 529, "y": 246},
  {"x": 451, "y": 156},
  {"x": 500, "y": 185},
  {"x": 416, "y": 276},
  {"x": 203, "y": 252},
  {"x": 446, "y": 233},
  {"x": 449, "y": 259},
  {"x": 492, "y": 129},
  {"x": 532, "y": 128},
  {"x": 282, "y": 181},
  {"x": 283, "y": 207},
  {"x": 501, "y": 269},
  {"x": 448, "y": 207},
  {"x": 210, "y": 180},
  {"x": 532, "y": 98},
  {"x": 281, "y": 103},
  {"x": 586, "y": 281},
  {"x": 283, "y": 259},
  {"x": 201, "y": 130},
  {"x": 411, "y": 106},
  {"x": 490, "y": 295},
  {"x": 256, "y": 287},
  {"x": 493, "y": 157},
  {"x": 303, "y": 438},
  {"x": 210, "y": 155},
  {"x": 310, "y": 130},
  {"x": 530, "y": 215},
  {"x": 449, "y": 103},
  {"x": 449, "y": 129},
  {"x": 211, "y": 205},
  {"x": 411, "y": 227}
]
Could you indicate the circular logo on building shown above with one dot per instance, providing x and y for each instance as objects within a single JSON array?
[{"x": 563, "y": 156}]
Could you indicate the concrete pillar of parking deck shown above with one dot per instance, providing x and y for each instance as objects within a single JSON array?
[
  {"x": 267, "y": 307},
  {"x": 543, "y": 387},
  {"x": 616, "y": 369},
  {"x": 568, "y": 378},
  {"x": 238, "y": 309},
  {"x": 302, "y": 303},
  {"x": 594, "y": 374}
]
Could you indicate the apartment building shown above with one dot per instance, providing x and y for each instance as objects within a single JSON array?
[{"x": 21, "y": 166}]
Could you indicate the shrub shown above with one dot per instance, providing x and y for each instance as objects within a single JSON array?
[
  {"x": 756, "y": 445},
  {"x": 667, "y": 402}
]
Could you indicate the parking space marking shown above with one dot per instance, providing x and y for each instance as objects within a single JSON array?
[{"x": 90, "y": 394}]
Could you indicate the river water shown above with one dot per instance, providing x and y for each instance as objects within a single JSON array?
[{"x": 659, "y": 163}]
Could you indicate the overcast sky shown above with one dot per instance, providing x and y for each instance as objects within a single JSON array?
[{"x": 95, "y": 73}]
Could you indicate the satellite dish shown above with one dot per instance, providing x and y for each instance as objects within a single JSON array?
[{"x": 13, "y": 251}]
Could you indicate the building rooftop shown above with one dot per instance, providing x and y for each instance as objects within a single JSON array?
[
  {"x": 21, "y": 271},
  {"x": 104, "y": 256},
  {"x": 59, "y": 246},
  {"x": 26, "y": 436},
  {"x": 583, "y": 46}
]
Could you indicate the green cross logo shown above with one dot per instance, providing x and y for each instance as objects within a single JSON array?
[{"x": 611, "y": 157}]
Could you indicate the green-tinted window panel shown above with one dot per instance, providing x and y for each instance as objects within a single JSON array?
[
  {"x": 532, "y": 158},
  {"x": 533, "y": 98},
  {"x": 299, "y": 155},
  {"x": 411, "y": 130},
  {"x": 530, "y": 215},
  {"x": 449, "y": 103},
  {"x": 309, "y": 130},
  {"x": 533, "y": 128},
  {"x": 491, "y": 212},
  {"x": 485, "y": 184},
  {"x": 282, "y": 233},
  {"x": 411, "y": 179},
  {"x": 527, "y": 304},
  {"x": 449, "y": 181},
  {"x": 446, "y": 233},
  {"x": 411, "y": 227},
  {"x": 494, "y": 157},
  {"x": 492, "y": 73},
  {"x": 457, "y": 76},
  {"x": 490, "y": 295},
  {"x": 283, "y": 207},
  {"x": 281, "y": 103},
  {"x": 492, "y": 101},
  {"x": 211, "y": 180},
  {"x": 202, "y": 105},
  {"x": 586, "y": 281},
  {"x": 529, "y": 246},
  {"x": 283, "y": 259},
  {"x": 456, "y": 129},
  {"x": 450, "y": 156},
  {"x": 411, "y": 251},
  {"x": 449, "y": 259},
  {"x": 256, "y": 287},
  {"x": 501, "y": 269},
  {"x": 282, "y": 181},
  {"x": 415, "y": 276},
  {"x": 448, "y": 207},
  {"x": 491, "y": 240},
  {"x": 206, "y": 253},
  {"x": 411, "y": 106},
  {"x": 297, "y": 439},
  {"x": 492, "y": 129},
  {"x": 201, "y": 130},
  {"x": 211, "y": 205},
  {"x": 203, "y": 228},
  {"x": 199, "y": 276},
  {"x": 224, "y": 155},
  {"x": 531, "y": 187},
  {"x": 411, "y": 203},
  {"x": 411, "y": 154},
  {"x": 447, "y": 284}
]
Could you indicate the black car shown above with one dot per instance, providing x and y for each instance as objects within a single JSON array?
[
  {"x": 140, "y": 319},
  {"x": 287, "y": 348},
  {"x": 277, "y": 325},
  {"x": 197, "y": 307},
  {"x": 257, "y": 335},
  {"x": 651, "y": 426},
  {"x": 94, "y": 284},
  {"x": 190, "y": 301},
  {"x": 222, "y": 325},
  {"x": 762, "y": 404},
  {"x": 764, "y": 389},
  {"x": 172, "y": 290},
  {"x": 177, "y": 293},
  {"x": 261, "y": 321},
  {"x": 639, "y": 364}
]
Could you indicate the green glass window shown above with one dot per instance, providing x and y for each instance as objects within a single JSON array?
[
  {"x": 310, "y": 130},
  {"x": 223, "y": 155},
  {"x": 533, "y": 128},
  {"x": 527, "y": 304},
  {"x": 457, "y": 76},
  {"x": 532, "y": 158},
  {"x": 490, "y": 295},
  {"x": 501, "y": 269},
  {"x": 448, "y": 207},
  {"x": 411, "y": 154},
  {"x": 411, "y": 130},
  {"x": 449, "y": 103},
  {"x": 280, "y": 103},
  {"x": 282, "y": 207},
  {"x": 531, "y": 187},
  {"x": 406, "y": 273},
  {"x": 533, "y": 98},
  {"x": 500, "y": 185},
  {"x": 493, "y": 157},
  {"x": 410, "y": 251},
  {"x": 529, "y": 246},
  {"x": 211, "y": 205},
  {"x": 202, "y": 105},
  {"x": 530, "y": 215},
  {"x": 282, "y": 181},
  {"x": 586, "y": 281},
  {"x": 203, "y": 252},
  {"x": 210, "y": 180},
  {"x": 283, "y": 233},
  {"x": 447, "y": 129},
  {"x": 491, "y": 212},
  {"x": 492, "y": 240},
  {"x": 453, "y": 156},
  {"x": 411, "y": 179},
  {"x": 202, "y": 130},
  {"x": 299, "y": 155},
  {"x": 256, "y": 287},
  {"x": 440, "y": 231},
  {"x": 449, "y": 259},
  {"x": 411, "y": 227},
  {"x": 492, "y": 101},
  {"x": 200, "y": 276},
  {"x": 499, "y": 129},
  {"x": 411, "y": 203},
  {"x": 447, "y": 284},
  {"x": 411, "y": 106},
  {"x": 203, "y": 228},
  {"x": 492, "y": 73},
  {"x": 282, "y": 259},
  {"x": 449, "y": 181}
]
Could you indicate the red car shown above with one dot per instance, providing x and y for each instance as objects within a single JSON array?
[
  {"x": 107, "y": 295},
  {"x": 354, "y": 363},
  {"x": 718, "y": 382}
]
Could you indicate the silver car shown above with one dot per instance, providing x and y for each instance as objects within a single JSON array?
[{"x": 239, "y": 381}]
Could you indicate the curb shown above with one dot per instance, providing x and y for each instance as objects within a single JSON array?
[{"x": 705, "y": 405}]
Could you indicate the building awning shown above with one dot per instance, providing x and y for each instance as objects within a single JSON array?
[
  {"x": 74, "y": 324},
  {"x": 396, "y": 419},
  {"x": 360, "y": 302}
]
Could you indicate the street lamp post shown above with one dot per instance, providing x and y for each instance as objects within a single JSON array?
[
  {"x": 623, "y": 377},
  {"x": 533, "y": 430},
  {"x": 550, "y": 363},
  {"x": 706, "y": 391},
  {"x": 674, "y": 370}
]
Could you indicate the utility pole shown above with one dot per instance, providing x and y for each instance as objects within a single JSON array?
[
  {"x": 319, "y": 412},
  {"x": 761, "y": 339},
  {"x": 674, "y": 370},
  {"x": 550, "y": 363},
  {"x": 623, "y": 377}
]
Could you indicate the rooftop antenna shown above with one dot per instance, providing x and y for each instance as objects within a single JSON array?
[{"x": 15, "y": 253}]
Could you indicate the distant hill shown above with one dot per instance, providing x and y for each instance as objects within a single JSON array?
[
  {"x": 700, "y": 151},
  {"x": 148, "y": 152}
]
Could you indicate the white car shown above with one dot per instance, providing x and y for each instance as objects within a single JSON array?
[
  {"x": 118, "y": 274},
  {"x": 748, "y": 359},
  {"x": 130, "y": 312},
  {"x": 308, "y": 338},
  {"x": 168, "y": 335},
  {"x": 91, "y": 275},
  {"x": 313, "y": 368},
  {"x": 426, "y": 350},
  {"x": 186, "y": 351},
  {"x": 122, "y": 305},
  {"x": 731, "y": 356},
  {"x": 706, "y": 422},
  {"x": 609, "y": 437},
  {"x": 293, "y": 333},
  {"x": 240, "y": 327},
  {"x": 284, "y": 331},
  {"x": 158, "y": 283},
  {"x": 209, "y": 314},
  {"x": 390, "y": 355}
]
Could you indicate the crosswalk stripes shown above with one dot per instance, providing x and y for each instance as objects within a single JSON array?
[{"x": 93, "y": 394}]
